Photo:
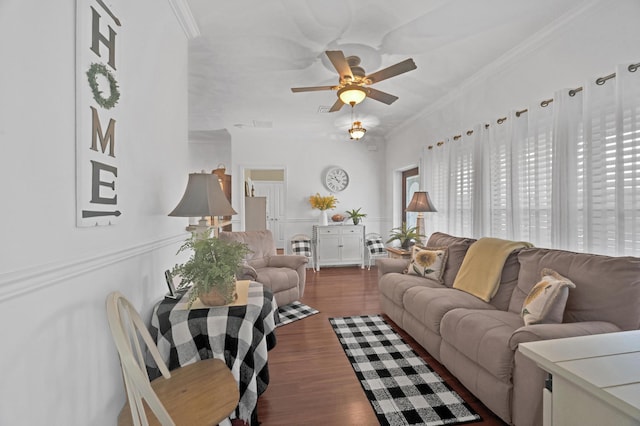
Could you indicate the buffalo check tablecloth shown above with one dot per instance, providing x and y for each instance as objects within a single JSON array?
[{"x": 239, "y": 335}]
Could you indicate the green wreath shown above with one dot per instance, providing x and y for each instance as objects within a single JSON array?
[{"x": 112, "y": 100}]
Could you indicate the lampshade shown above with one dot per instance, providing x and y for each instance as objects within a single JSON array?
[
  {"x": 421, "y": 203},
  {"x": 357, "y": 131},
  {"x": 352, "y": 94},
  {"x": 203, "y": 197}
]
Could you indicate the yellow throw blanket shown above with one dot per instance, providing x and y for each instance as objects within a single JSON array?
[{"x": 481, "y": 268}]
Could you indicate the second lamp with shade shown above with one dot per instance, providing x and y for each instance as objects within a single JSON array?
[
  {"x": 203, "y": 197},
  {"x": 420, "y": 203}
]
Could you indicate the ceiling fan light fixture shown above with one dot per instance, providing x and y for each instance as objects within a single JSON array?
[
  {"x": 357, "y": 131},
  {"x": 352, "y": 94}
]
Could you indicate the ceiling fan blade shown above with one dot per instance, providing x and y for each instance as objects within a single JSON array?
[
  {"x": 337, "y": 106},
  {"x": 381, "y": 96},
  {"x": 311, "y": 89},
  {"x": 392, "y": 71},
  {"x": 340, "y": 63}
]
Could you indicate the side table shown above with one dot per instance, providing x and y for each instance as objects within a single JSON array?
[
  {"x": 595, "y": 379},
  {"x": 239, "y": 335},
  {"x": 397, "y": 253}
]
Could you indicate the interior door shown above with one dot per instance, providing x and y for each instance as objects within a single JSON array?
[{"x": 274, "y": 193}]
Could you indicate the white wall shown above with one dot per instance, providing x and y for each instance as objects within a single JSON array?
[
  {"x": 208, "y": 149},
  {"x": 587, "y": 46},
  {"x": 59, "y": 365},
  {"x": 305, "y": 160}
]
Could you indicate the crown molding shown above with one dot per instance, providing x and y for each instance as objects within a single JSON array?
[
  {"x": 540, "y": 38},
  {"x": 183, "y": 12}
]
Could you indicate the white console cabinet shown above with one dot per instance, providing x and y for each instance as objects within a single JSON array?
[{"x": 338, "y": 245}]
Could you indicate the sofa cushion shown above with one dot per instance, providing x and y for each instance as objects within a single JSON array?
[
  {"x": 456, "y": 250},
  {"x": 483, "y": 337},
  {"x": 508, "y": 281},
  {"x": 547, "y": 299},
  {"x": 393, "y": 285},
  {"x": 429, "y": 305},
  {"x": 427, "y": 262},
  {"x": 607, "y": 288}
]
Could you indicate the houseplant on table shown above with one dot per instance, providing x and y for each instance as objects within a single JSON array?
[
  {"x": 355, "y": 215},
  {"x": 211, "y": 269},
  {"x": 323, "y": 203},
  {"x": 406, "y": 236}
]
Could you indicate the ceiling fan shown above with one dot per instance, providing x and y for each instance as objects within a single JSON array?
[{"x": 352, "y": 86}]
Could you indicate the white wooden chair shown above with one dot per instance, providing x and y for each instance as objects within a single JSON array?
[
  {"x": 375, "y": 248},
  {"x": 202, "y": 393},
  {"x": 301, "y": 245}
]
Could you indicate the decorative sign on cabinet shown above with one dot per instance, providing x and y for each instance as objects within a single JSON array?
[{"x": 338, "y": 245}]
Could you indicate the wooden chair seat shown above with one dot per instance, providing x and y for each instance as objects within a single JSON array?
[{"x": 196, "y": 394}]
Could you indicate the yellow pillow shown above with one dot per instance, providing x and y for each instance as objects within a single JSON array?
[
  {"x": 547, "y": 299},
  {"x": 427, "y": 262}
]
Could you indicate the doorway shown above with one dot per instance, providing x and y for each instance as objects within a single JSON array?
[
  {"x": 410, "y": 184},
  {"x": 268, "y": 182}
]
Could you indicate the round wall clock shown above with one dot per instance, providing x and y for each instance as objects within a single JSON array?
[{"x": 336, "y": 179}]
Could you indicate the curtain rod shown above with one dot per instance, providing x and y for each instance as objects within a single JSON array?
[{"x": 600, "y": 81}]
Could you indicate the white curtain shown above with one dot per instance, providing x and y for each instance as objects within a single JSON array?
[{"x": 564, "y": 175}]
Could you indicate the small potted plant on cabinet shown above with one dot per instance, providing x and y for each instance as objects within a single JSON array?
[
  {"x": 211, "y": 269},
  {"x": 355, "y": 215}
]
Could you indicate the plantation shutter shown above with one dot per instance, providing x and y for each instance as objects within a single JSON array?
[
  {"x": 534, "y": 165},
  {"x": 462, "y": 187},
  {"x": 500, "y": 179}
]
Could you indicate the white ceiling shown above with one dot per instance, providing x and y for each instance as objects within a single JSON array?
[{"x": 251, "y": 52}]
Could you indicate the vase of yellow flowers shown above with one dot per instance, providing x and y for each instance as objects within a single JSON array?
[{"x": 323, "y": 203}]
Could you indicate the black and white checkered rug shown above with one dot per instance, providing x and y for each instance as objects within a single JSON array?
[
  {"x": 294, "y": 311},
  {"x": 401, "y": 387}
]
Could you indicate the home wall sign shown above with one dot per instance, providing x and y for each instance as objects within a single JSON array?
[{"x": 98, "y": 91}]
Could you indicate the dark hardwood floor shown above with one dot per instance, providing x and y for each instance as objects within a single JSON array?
[{"x": 311, "y": 380}]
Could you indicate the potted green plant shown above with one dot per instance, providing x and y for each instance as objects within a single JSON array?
[
  {"x": 211, "y": 269},
  {"x": 406, "y": 236},
  {"x": 355, "y": 215}
]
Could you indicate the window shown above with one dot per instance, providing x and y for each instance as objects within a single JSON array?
[
  {"x": 564, "y": 175},
  {"x": 410, "y": 184}
]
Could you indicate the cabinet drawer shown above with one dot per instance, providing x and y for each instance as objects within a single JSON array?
[
  {"x": 348, "y": 230},
  {"x": 328, "y": 231}
]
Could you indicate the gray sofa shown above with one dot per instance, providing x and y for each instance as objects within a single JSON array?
[{"x": 477, "y": 341}]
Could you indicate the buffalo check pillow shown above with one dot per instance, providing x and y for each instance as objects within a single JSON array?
[
  {"x": 376, "y": 246},
  {"x": 301, "y": 247}
]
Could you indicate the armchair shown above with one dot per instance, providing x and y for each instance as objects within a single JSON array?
[{"x": 285, "y": 275}]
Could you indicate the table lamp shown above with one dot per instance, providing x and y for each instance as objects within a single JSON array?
[
  {"x": 203, "y": 197},
  {"x": 420, "y": 203}
]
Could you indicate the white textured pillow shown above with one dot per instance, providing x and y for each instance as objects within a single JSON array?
[
  {"x": 547, "y": 299},
  {"x": 427, "y": 262}
]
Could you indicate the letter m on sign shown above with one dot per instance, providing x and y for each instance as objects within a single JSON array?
[{"x": 108, "y": 138}]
